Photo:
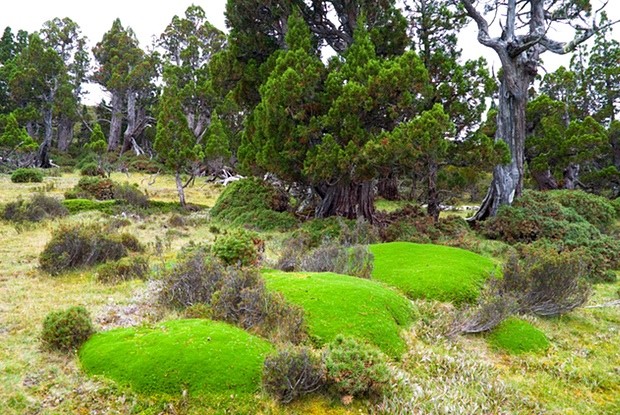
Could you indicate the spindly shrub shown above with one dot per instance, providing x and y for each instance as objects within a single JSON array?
[
  {"x": 238, "y": 247},
  {"x": 77, "y": 246},
  {"x": 38, "y": 208},
  {"x": 27, "y": 176},
  {"x": 354, "y": 368},
  {"x": 124, "y": 269},
  {"x": 66, "y": 330},
  {"x": 356, "y": 261},
  {"x": 130, "y": 195},
  {"x": 292, "y": 373}
]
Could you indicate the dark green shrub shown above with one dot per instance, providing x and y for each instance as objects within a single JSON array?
[
  {"x": 238, "y": 247},
  {"x": 597, "y": 210},
  {"x": 130, "y": 242},
  {"x": 130, "y": 195},
  {"x": 27, "y": 176},
  {"x": 253, "y": 202},
  {"x": 83, "y": 205},
  {"x": 125, "y": 269},
  {"x": 66, "y": 330},
  {"x": 616, "y": 205},
  {"x": 92, "y": 169},
  {"x": 78, "y": 246},
  {"x": 354, "y": 368},
  {"x": 96, "y": 187},
  {"x": 38, "y": 208},
  {"x": 292, "y": 373}
]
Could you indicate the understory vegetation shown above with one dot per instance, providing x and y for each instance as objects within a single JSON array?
[{"x": 176, "y": 311}]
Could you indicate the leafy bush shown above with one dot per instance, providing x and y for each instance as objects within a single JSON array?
[
  {"x": 356, "y": 261},
  {"x": 597, "y": 210},
  {"x": 95, "y": 188},
  {"x": 354, "y": 368},
  {"x": 616, "y": 205},
  {"x": 38, "y": 208},
  {"x": 92, "y": 169},
  {"x": 79, "y": 245},
  {"x": 292, "y": 373},
  {"x": 130, "y": 242},
  {"x": 27, "y": 176},
  {"x": 238, "y": 247},
  {"x": 83, "y": 205},
  {"x": 66, "y": 330},
  {"x": 124, "y": 269},
  {"x": 253, "y": 202},
  {"x": 516, "y": 336}
]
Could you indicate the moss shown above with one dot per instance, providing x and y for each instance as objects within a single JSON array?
[
  {"x": 199, "y": 356},
  {"x": 81, "y": 205},
  {"x": 432, "y": 272},
  {"x": 516, "y": 336},
  {"x": 338, "y": 304}
]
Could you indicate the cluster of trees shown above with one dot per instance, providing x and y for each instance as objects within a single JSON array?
[{"x": 346, "y": 98}]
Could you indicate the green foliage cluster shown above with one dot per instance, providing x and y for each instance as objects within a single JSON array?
[
  {"x": 616, "y": 205},
  {"x": 124, "y": 269},
  {"x": 27, "y": 176},
  {"x": 66, "y": 330},
  {"x": 73, "y": 246},
  {"x": 91, "y": 169},
  {"x": 432, "y": 272},
  {"x": 238, "y": 247},
  {"x": 254, "y": 203},
  {"x": 354, "y": 368},
  {"x": 339, "y": 304},
  {"x": 199, "y": 356},
  {"x": 552, "y": 218},
  {"x": 516, "y": 336},
  {"x": 38, "y": 208},
  {"x": 292, "y": 373},
  {"x": 84, "y": 205},
  {"x": 130, "y": 195},
  {"x": 92, "y": 188}
]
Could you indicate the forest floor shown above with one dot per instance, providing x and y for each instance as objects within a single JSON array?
[{"x": 578, "y": 374}]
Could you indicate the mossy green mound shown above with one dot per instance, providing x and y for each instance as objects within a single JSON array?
[
  {"x": 199, "y": 356},
  {"x": 516, "y": 336},
  {"x": 431, "y": 271},
  {"x": 338, "y": 304}
]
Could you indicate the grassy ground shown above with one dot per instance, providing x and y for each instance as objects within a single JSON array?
[
  {"x": 431, "y": 271},
  {"x": 578, "y": 374},
  {"x": 338, "y": 304}
]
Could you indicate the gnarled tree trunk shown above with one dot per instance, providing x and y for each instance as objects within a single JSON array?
[
  {"x": 387, "y": 187},
  {"x": 571, "y": 176},
  {"x": 180, "y": 190},
  {"x": 544, "y": 180},
  {"x": 116, "y": 121},
  {"x": 350, "y": 200},
  {"x": 65, "y": 133},
  {"x": 43, "y": 157}
]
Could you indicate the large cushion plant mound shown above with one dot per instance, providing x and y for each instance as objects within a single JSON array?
[
  {"x": 339, "y": 304},
  {"x": 199, "y": 356},
  {"x": 516, "y": 336},
  {"x": 431, "y": 271}
]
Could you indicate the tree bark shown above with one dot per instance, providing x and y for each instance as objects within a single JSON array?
[
  {"x": 43, "y": 157},
  {"x": 116, "y": 122},
  {"x": 544, "y": 180},
  {"x": 180, "y": 189},
  {"x": 571, "y": 176},
  {"x": 350, "y": 200},
  {"x": 65, "y": 133},
  {"x": 614, "y": 140},
  {"x": 387, "y": 187},
  {"x": 433, "y": 208}
]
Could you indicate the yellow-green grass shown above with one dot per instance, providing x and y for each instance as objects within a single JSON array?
[
  {"x": 339, "y": 304},
  {"x": 198, "y": 356},
  {"x": 516, "y": 336},
  {"x": 431, "y": 272}
]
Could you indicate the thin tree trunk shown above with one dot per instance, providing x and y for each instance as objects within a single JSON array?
[
  {"x": 43, "y": 158},
  {"x": 433, "y": 209},
  {"x": 116, "y": 122},
  {"x": 351, "y": 200},
  {"x": 131, "y": 121},
  {"x": 180, "y": 189}
]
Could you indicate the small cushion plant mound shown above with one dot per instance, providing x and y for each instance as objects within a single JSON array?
[
  {"x": 66, "y": 330},
  {"x": 339, "y": 304},
  {"x": 253, "y": 202},
  {"x": 432, "y": 272},
  {"x": 199, "y": 356},
  {"x": 27, "y": 176},
  {"x": 516, "y": 336}
]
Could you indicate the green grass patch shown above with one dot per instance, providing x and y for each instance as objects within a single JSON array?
[
  {"x": 199, "y": 356},
  {"x": 83, "y": 205},
  {"x": 516, "y": 336},
  {"x": 338, "y": 304},
  {"x": 431, "y": 272}
]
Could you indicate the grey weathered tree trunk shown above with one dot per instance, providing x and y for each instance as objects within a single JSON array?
[
  {"x": 544, "y": 180},
  {"x": 433, "y": 210},
  {"x": 116, "y": 121},
  {"x": 43, "y": 158},
  {"x": 65, "y": 133},
  {"x": 571, "y": 176},
  {"x": 349, "y": 200},
  {"x": 180, "y": 189}
]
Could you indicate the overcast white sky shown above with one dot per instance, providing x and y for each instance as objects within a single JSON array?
[{"x": 148, "y": 18}]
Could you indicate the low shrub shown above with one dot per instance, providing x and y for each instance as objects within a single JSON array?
[
  {"x": 84, "y": 205},
  {"x": 597, "y": 210},
  {"x": 130, "y": 195},
  {"x": 238, "y": 247},
  {"x": 354, "y": 368},
  {"x": 356, "y": 261},
  {"x": 616, "y": 205},
  {"x": 130, "y": 242},
  {"x": 66, "y": 330},
  {"x": 516, "y": 336},
  {"x": 177, "y": 221},
  {"x": 292, "y": 373},
  {"x": 38, "y": 208},
  {"x": 92, "y": 169},
  {"x": 27, "y": 176},
  {"x": 125, "y": 269},
  {"x": 77, "y": 246},
  {"x": 96, "y": 187},
  {"x": 254, "y": 203}
]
